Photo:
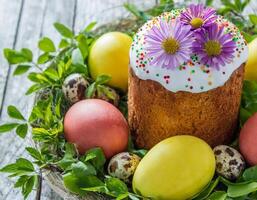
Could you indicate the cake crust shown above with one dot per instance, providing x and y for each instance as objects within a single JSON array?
[{"x": 156, "y": 113}]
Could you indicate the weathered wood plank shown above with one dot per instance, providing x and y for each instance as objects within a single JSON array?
[
  {"x": 8, "y": 26},
  {"x": 27, "y": 35},
  {"x": 104, "y": 11},
  {"x": 36, "y": 20},
  {"x": 97, "y": 10},
  {"x": 144, "y": 4},
  {"x": 58, "y": 11}
]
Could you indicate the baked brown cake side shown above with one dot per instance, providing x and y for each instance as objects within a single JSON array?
[{"x": 156, "y": 113}]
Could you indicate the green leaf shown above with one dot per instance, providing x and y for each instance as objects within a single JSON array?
[
  {"x": 103, "y": 79},
  {"x": 13, "y": 112},
  {"x": 34, "y": 153},
  {"x": 90, "y": 181},
  {"x": 228, "y": 3},
  {"x": 51, "y": 73},
  {"x": 72, "y": 183},
  {"x": 244, "y": 115},
  {"x": 208, "y": 2},
  {"x": 81, "y": 169},
  {"x": 63, "y": 30},
  {"x": 116, "y": 187},
  {"x": 164, "y": 6},
  {"x": 253, "y": 19},
  {"x": 122, "y": 196},
  {"x": 238, "y": 5},
  {"x": 37, "y": 113},
  {"x": 44, "y": 135},
  {"x": 238, "y": 190},
  {"x": 90, "y": 27},
  {"x": 253, "y": 195},
  {"x": 88, "y": 157},
  {"x": 25, "y": 164},
  {"x": 219, "y": 195},
  {"x": 48, "y": 112},
  {"x": 44, "y": 58},
  {"x": 77, "y": 57},
  {"x": 21, "y": 69},
  {"x": 99, "y": 189},
  {"x": 64, "y": 43},
  {"x": 28, "y": 186},
  {"x": 163, "y": 2},
  {"x": 250, "y": 174},
  {"x": 81, "y": 185},
  {"x": 249, "y": 101},
  {"x": 68, "y": 158},
  {"x": 8, "y": 127},
  {"x": 35, "y": 88},
  {"x": 90, "y": 90},
  {"x": 22, "y": 130},
  {"x": 78, "y": 68},
  {"x": 208, "y": 190},
  {"x": 245, "y": 3},
  {"x": 46, "y": 44},
  {"x": 21, "y": 181},
  {"x": 224, "y": 10},
  {"x": 21, "y": 165},
  {"x": 248, "y": 37},
  {"x": 228, "y": 183},
  {"x": 58, "y": 107},
  {"x": 60, "y": 69},
  {"x": 15, "y": 57},
  {"x": 83, "y": 46},
  {"x": 41, "y": 78},
  {"x": 32, "y": 76},
  {"x": 27, "y": 53},
  {"x": 11, "y": 168},
  {"x": 96, "y": 157}
]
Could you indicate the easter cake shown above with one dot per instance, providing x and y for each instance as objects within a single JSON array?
[{"x": 186, "y": 76}]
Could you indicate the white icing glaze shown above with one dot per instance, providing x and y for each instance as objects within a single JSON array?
[{"x": 192, "y": 76}]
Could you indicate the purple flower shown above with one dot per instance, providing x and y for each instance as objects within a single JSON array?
[
  {"x": 198, "y": 16},
  {"x": 169, "y": 44},
  {"x": 213, "y": 46}
]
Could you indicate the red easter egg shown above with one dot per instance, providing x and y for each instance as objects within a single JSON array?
[
  {"x": 248, "y": 140},
  {"x": 96, "y": 123}
]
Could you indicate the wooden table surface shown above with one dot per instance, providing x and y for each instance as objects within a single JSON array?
[{"x": 22, "y": 23}]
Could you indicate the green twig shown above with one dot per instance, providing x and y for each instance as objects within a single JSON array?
[{"x": 37, "y": 66}]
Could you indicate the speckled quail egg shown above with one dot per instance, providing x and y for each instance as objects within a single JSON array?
[
  {"x": 107, "y": 94},
  {"x": 123, "y": 166},
  {"x": 74, "y": 87},
  {"x": 229, "y": 162}
]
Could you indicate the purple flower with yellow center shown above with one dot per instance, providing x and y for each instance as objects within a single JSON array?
[
  {"x": 198, "y": 16},
  {"x": 169, "y": 44},
  {"x": 214, "y": 47}
]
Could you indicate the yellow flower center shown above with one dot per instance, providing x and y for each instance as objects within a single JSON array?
[
  {"x": 212, "y": 48},
  {"x": 170, "y": 45},
  {"x": 196, "y": 22}
]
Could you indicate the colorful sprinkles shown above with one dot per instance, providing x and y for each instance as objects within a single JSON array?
[{"x": 192, "y": 76}]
